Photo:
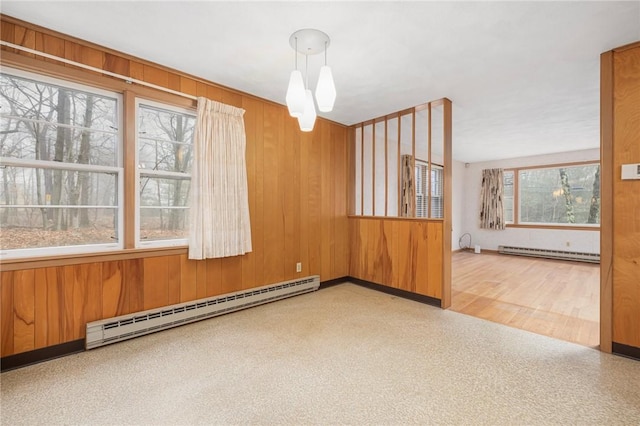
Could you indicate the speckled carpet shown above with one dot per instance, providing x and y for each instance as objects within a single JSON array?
[{"x": 342, "y": 355}]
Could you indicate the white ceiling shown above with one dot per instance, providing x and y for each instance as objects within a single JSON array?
[{"x": 523, "y": 76}]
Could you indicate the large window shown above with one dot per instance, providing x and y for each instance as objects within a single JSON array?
[
  {"x": 561, "y": 196},
  {"x": 60, "y": 167},
  {"x": 165, "y": 141}
]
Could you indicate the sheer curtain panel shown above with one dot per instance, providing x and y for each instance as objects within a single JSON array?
[
  {"x": 219, "y": 207},
  {"x": 492, "y": 207}
]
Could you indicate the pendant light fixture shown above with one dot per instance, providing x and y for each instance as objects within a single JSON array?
[{"x": 299, "y": 97}]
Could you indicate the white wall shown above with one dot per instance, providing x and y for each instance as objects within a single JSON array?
[
  {"x": 457, "y": 202},
  {"x": 469, "y": 192}
]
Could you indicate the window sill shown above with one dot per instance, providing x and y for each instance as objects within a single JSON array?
[
  {"x": 556, "y": 227},
  {"x": 75, "y": 259}
]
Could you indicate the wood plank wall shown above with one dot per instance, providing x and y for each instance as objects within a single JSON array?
[
  {"x": 624, "y": 241},
  {"x": 399, "y": 253},
  {"x": 297, "y": 199}
]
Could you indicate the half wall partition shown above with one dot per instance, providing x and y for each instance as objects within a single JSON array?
[{"x": 400, "y": 201}]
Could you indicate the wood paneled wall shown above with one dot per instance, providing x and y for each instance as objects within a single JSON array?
[
  {"x": 620, "y": 270},
  {"x": 297, "y": 199},
  {"x": 399, "y": 253}
]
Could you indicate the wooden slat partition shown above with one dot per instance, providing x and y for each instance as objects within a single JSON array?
[
  {"x": 400, "y": 253},
  {"x": 297, "y": 200}
]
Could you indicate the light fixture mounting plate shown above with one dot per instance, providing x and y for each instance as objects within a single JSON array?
[{"x": 309, "y": 41}]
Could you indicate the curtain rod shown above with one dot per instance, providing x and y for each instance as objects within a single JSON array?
[{"x": 125, "y": 78}]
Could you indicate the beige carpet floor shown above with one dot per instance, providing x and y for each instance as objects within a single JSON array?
[{"x": 342, "y": 355}]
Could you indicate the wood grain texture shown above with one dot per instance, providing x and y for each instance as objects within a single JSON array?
[
  {"x": 626, "y": 198},
  {"x": 297, "y": 200},
  {"x": 399, "y": 253},
  {"x": 606, "y": 201}
]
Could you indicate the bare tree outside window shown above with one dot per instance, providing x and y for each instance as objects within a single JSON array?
[
  {"x": 165, "y": 142},
  {"x": 60, "y": 171}
]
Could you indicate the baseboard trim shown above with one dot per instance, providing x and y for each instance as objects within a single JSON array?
[
  {"x": 626, "y": 350},
  {"x": 397, "y": 292},
  {"x": 333, "y": 282},
  {"x": 23, "y": 359}
]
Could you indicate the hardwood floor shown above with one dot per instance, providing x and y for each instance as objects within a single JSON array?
[{"x": 550, "y": 297}]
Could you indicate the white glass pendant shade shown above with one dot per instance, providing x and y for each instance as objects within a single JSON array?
[
  {"x": 308, "y": 119},
  {"x": 325, "y": 90},
  {"x": 296, "y": 96}
]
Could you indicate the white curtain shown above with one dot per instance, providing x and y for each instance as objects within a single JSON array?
[
  {"x": 492, "y": 207},
  {"x": 219, "y": 207}
]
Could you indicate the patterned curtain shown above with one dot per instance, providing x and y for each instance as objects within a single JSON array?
[
  {"x": 492, "y": 208},
  {"x": 407, "y": 195},
  {"x": 219, "y": 203}
]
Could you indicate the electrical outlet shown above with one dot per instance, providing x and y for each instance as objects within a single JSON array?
[
  {"x": 299, "y": 267},
  {"x": 568, "y": 243}
]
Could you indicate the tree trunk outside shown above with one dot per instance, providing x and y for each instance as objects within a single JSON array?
[
  {"x": 566, "y": 191},
  {"x": 62, "y": 135},
  {"x": 594, "y": 210},
  {"x": 83, "y": 158}
]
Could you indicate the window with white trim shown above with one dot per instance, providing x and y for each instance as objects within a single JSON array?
[
  {"x": 164, "y": 149},
  {"x": 422, "y": 193},
  {"x": 61, "y": 175}
]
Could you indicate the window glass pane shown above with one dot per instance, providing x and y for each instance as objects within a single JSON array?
[
  {"x": 49, "y": 122},
  {"x": 422, "y": 195},
  {"x": 165, "y": 144},
  {"x": 37, "y": 227},
  {"x": 163, "y": 224},
  {"x": 165, "y": 140},
  {"x": 164, "y": 192},
  {"x": 564, "y": 195},
  {"x": 507, "y": 195},
  {"x": 41, "y": 187},
  {"x": 164, "y": 211},
  {"x": 50, "y": 142},
  {"x": 437, "y": 192}
]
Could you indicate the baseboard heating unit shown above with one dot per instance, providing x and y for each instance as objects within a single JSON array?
[
  {"x": 104, "y": 332},
  {"x": 551, "y": 254}
]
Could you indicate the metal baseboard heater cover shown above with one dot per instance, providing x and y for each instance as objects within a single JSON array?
[
  {"x": 104, "y": 332},
  {"x": 551, "y": 254}
]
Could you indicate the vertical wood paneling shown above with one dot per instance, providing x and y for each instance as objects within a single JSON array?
[
  {"x": 174, "y": 276},
  {"x": 327, "y": 223},
  {"x": 7, "y": 32},
  {"x": 214, "y": 277},
  {"x": 230, "y": 275},
  {"x": 24, "y": 311},
  {"x": 249, "y": 260},
  {"x": 51, "y": 45},
  {"x": 25, "y": 37},
  {"x": 114, "y": 296},
  {"x": 273, "y": 214},
  {"x": 188, "y": 278},
  {"x": 404, "y": 254},
  {"x": 287, "y": 188},
  {"x": 201, "y": 279},
  {"x": 156, "y": 282},
  {"x": 606, "y": 201},
  {"x": 134, "y": 284},
  {"x": 434, "y": 260},
  {"x": 626, "y": 197},
  {"x": 6, "y": 313},
  {"x": 315, "y": 202},
  {"x": 116, "y": 64},
  {"x": 298, "y": 205},
  {"x": 40, "y": 312}
]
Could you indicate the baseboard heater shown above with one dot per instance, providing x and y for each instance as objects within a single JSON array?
[
  {"x": 551, "y": 254},
  {"x": 104, "y": 332}
]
